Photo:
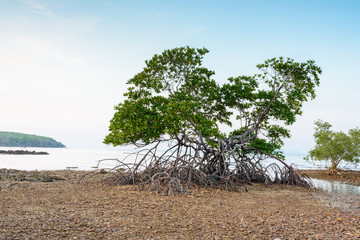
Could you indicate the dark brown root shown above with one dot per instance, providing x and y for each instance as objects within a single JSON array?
[{"x": 181, "y": 168}]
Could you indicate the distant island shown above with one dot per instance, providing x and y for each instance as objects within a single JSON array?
[{"x": 14, "y": 139}]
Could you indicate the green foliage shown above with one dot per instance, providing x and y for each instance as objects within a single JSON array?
[
  {"x": 291, "y": 82},
  {"x": 172, "y": 95},
  {"x": 13, "y": 139},
  {"x": 175, "y": 98},
  {"x": 335, "y": 146}
]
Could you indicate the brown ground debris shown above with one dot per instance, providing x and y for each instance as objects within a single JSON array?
[{"x": 64, "y": 209}]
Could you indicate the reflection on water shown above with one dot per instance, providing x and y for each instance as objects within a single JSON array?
[{"x": 336, "y": 186}]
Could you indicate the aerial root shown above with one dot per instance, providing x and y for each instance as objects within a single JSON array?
[{"x": 173, "y": 173}]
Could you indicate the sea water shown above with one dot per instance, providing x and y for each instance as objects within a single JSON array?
[
  {"x": 60, "y": 158},
  {"x": 336, "y": 186},
  {"x": 87, "y": 158}
]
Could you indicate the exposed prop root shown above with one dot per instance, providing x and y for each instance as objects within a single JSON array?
[{"x": 181, "y": 168}]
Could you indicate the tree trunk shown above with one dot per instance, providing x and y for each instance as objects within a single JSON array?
[{"x": 334, "y": 164}]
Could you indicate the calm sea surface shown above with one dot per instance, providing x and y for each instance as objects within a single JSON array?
[
  {"x": 85, "y": 159},
  {"x": 59, "y": 158}
]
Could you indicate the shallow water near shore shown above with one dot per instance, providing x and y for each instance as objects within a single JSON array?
[{"x": 336, "y": 186}]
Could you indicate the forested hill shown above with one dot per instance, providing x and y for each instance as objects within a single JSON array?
[{"x": 13, "y": 139}]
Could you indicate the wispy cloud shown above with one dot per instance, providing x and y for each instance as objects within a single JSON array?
[
  {"x": 66, "y": 59},
  {"x": 34, "y": 50},
  {"x": 12, "y": 61},
  {"x": 76, "y": 62},
  {"x": 110, "y": 3},
  {"x": 39, "y": 8},
  {"x": 158, "y": 16}
]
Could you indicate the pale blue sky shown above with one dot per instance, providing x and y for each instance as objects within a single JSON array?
[{"x": 64, "y": 64}]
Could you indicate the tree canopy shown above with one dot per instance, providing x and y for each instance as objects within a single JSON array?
[
  {"x": 176, "y": 100},
  {"x": 335, "y": 146}
]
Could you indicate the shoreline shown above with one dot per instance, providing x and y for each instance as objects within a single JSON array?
[
  {"x": 346, "y": 176},
  {"x": 22, "y": 152}
]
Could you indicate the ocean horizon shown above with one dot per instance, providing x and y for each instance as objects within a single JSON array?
[{"x": 88, "y": 159}]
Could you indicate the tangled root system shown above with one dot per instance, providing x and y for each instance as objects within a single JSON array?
[{"x": 181, "y": 168}]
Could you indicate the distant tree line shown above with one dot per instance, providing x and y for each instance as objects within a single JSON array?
[{"x": 13, "y": 139}]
